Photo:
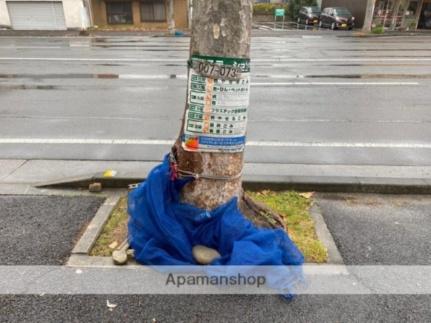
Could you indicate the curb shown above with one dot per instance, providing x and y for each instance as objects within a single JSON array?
[
  {"x": 80, "y": 256},
  {"x": 332, "y": 184},
  {"x": 93, "y": 230},
  {"x": 338, "y": 184},
  {"x": 325, "y": 236},
  {"x": 82, "y": 261},
  {"x": 390, "y": 34}
]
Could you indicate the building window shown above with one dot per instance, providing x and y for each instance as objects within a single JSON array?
[
  {"x": 119, "y": 12},
  {"x": 412, "y": 8},
  {"x": 153, "y": 10}
]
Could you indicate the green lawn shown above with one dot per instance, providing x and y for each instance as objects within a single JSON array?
[{"x": 294, "y": 207}]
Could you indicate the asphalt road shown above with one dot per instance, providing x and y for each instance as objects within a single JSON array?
[
  {"x": 374, "y": 229},
  {"x": 42, "y": 230},
  {"x": 317, "y": 98},
  {"x": 225, "y": 308}
]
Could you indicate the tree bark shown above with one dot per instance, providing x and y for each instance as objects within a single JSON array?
[
  {"x": 171, "y": 17},
  {"x": 220, "y": 28},
  {"x": 369, "y": 14},
  {"x": 395, "y": 12}
]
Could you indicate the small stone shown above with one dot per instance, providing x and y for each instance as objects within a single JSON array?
[
  {"x": 119, "y": 257},
  {"x": 95, "y": 187},
  {"x": 204, "y": 255}
]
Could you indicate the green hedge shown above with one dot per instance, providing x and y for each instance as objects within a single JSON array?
[
  {"x": 292, "y": 8},
  {"x": 268, "y": 8}
]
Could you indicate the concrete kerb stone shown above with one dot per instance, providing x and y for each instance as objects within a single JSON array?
[
  {"x": 27, "y": 189},
  {"x": 83, "y": 261},
  {"x": 88, "y": 239},
  {"x": 325, "y": 236},
  {"x": 351, "y": 184},
  {"x": 80, "y": 254},
  {"x": 335, "y": 184}
]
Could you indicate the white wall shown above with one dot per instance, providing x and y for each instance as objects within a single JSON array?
[
  {"x": 4, "y": 14},
  {"x": 73, "y": 13}
]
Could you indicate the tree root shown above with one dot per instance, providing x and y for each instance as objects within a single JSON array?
[{"x": 260, "y": 214}]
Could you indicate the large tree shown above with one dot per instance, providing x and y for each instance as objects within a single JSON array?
[
  {"x": 221, "y": 33},
  {"x": 369, "y": 15}
]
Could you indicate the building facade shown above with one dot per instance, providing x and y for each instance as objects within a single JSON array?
[
  {"x": 402, "y": 14},
  {"x": 44, "y": 14},
  {"x": 271, "y": 1},
  {"x": 145, "y": 14},
  {"x": 392, "y": 14},
  {"x": 356, "y": 7}
]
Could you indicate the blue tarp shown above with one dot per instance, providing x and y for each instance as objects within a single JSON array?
[{"x": 163, "y": 231}]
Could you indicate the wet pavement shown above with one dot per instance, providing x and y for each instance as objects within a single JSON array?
[
  {"x": 371, "y": 229},
  {"x": 405, "y": 218},
  {"x": 322, "y": 97},
  {"x": 331, "y": 98},
  {"x": 42, "y": 230},
  {"x": 224, "y": 308}
]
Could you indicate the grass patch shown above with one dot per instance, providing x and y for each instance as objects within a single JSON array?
[
  {"x": 294, "y": 208},
  {"x": 114, "y": 231},
  {"x": 378, "y": 30}
]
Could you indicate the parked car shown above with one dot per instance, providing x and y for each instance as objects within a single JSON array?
[
  {"x": 309, "y": 15},
  {"x": 336, "y": 18}
]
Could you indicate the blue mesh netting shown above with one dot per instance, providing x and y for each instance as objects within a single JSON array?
[{"x": 163, "y": 231}]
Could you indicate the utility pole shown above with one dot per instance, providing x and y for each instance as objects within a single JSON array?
[
  {"x": 369, "y": 14},
  {"x": 212, "y": 136}
]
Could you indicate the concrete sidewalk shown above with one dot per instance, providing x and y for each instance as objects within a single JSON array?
[{"x": 383, "y": 179}]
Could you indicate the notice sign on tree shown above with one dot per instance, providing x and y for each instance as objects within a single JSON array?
[{"x": 217, "y": 104}]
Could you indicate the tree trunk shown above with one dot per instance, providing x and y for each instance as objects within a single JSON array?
[
  {"x": 220, "y": 28},
  {"x": 418, "y": 12},
  {"x": 189, "y": 13},
  {"x": 395, "y": 13},
  {"x": 369, "y": 14},
  {"x": 171, "y": 17}
]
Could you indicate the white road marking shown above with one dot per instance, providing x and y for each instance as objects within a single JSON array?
[
  {"x": 259, "y": 60},
  {"x": 159, "y": 142},
  {"x": 184, "y": 76},
  {"x": 346, "y": 59},
  {"x": 34, "y": 47},
  {"x": 259, "y": 84},
  {"x": 337, "y": 144},
  {"x": 150, "y": 77},
  {"x": 266, "y": 84},
  {"x": 90, "y": 59},
  {"x": 73, "y": 141}
]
